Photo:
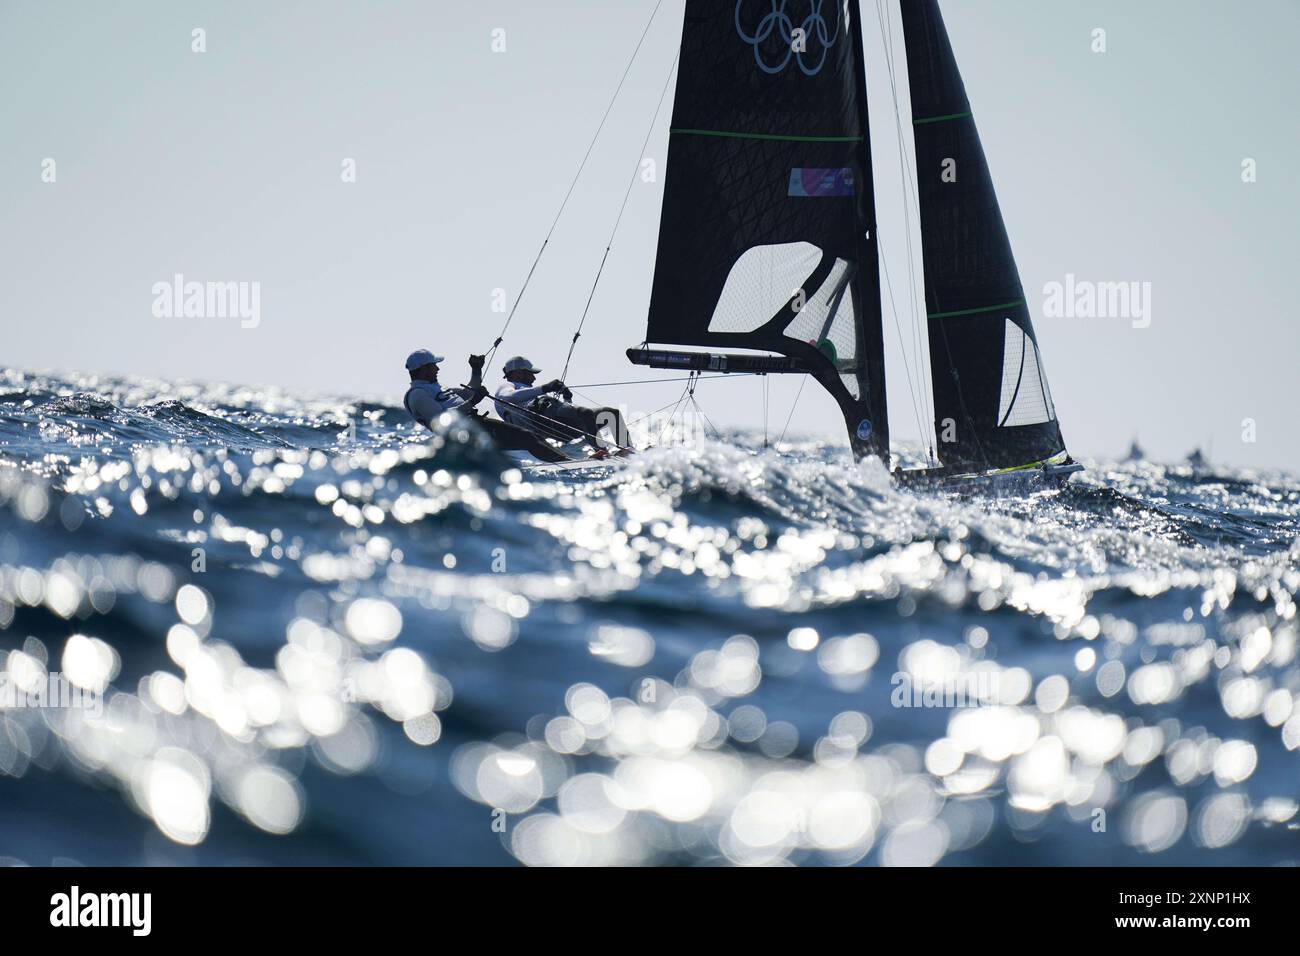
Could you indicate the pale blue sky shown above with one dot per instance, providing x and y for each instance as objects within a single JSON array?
[{"x": 225, "y": 166}]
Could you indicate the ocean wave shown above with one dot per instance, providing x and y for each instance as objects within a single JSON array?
[{"x": 321, "y": 634}]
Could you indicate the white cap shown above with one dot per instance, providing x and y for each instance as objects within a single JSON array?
[
  {"x": 422, "y": 357},
  {"x": 519, "y": 364}
]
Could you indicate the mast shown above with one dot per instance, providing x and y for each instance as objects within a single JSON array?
[
  {"x": 767, "y": 239},
  {"x": 992, "y": 405},
  {"x": 871, "y": 327}
]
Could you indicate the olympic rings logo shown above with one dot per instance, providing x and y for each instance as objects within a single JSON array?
[{"x": 795, "y": 47}]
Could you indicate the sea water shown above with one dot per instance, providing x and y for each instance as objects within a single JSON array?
[{"x": 243, "y": 626}]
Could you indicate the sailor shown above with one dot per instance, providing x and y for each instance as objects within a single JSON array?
[
  {"x": 535, "y": 407},
  {"x": 426, "y": 399}
]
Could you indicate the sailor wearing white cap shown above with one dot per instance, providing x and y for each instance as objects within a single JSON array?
[
  {"x": 518, "y": 393},
  {"x": 426, "y": 399},
  {"x": 520, "y": 402}
]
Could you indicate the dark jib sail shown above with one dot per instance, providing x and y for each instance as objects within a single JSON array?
[
  {"x": 767, "y": 239},
  {"x": 992, "y": 406}
]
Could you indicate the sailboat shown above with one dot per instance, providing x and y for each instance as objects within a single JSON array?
[{"x": 768, "y": 241}]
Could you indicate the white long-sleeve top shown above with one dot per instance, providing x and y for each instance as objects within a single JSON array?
[
  {"x": 519, "y": 395},
  {"x": 427, "y": 400}
]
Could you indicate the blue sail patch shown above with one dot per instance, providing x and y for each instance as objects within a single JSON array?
[{"x": 820, "y": 182}]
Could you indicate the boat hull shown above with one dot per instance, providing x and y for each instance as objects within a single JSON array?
[{"x": 1040, "y": 476}]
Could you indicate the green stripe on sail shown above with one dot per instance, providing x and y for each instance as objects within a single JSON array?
[
  {"x": 991, "y": 308},
  {"x": 940, "y": 119},
  {"x": 776, "y": 136}
]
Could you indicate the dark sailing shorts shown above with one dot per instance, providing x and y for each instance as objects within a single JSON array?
[{"x": 584, "y": 420}]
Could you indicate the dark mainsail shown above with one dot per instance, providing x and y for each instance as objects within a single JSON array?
[
  {"x": 767, "y": 239},
  {"x": 992, "y": 406}
]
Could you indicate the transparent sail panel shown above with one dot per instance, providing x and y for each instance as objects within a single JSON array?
[
  {"x": 842, "y": 330},
  {"x": 1026, "y": 399},
  {"x": 762, "y": 281},
  {"x": 827, "y": 320}
]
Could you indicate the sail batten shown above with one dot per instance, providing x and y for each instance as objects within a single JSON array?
[
  {"x": 767, "y": 238},
  {"x": 992, "y": 408},
  {"x": 940, "y": 119},
  {"x": 1000, "y": 307}
]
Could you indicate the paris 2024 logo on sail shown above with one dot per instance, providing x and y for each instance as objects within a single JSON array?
[{"x": 783, "y": 30}]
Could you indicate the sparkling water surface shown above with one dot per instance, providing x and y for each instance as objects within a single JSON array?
[{"x": 324, "y": 636}]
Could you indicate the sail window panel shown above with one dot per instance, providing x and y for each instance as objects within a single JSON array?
[
  {"x": 1025, "y": 399},
  {"x": 843, "y": 331},
  {"x": 834, "y": 335},
  {"x": 760, "y": 283},
  {"x": 1042, "y": 383},
  {"x": 843, "y": 335}
]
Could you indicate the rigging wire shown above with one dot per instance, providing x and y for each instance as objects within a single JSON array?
[
  {"x": 765, "y": 398},
  {"x": 692, "y": 377},
  {"x": 717, "y": 435},
  {"x": 905, "y": 172},
  {"x": 694, "y": 403},
  {"x": 619, "y": 218},
  {"x": 572, "y": 185},
  {"x": 909, "y": 184},
  {"x": 924, "y": 388},
  {"x": 638, "y": 420},
  {"x": 907, "y": 366},
  {"x": 793, "y": 406},
  {"x": 689, "y": 389}
]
